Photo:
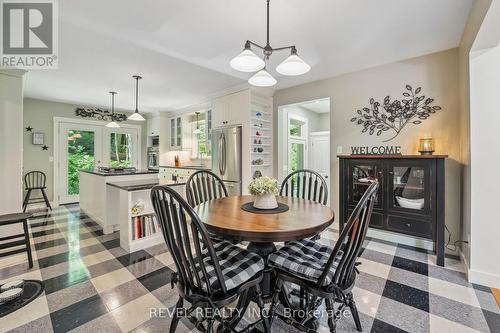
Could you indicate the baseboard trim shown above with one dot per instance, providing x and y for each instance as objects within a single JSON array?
[{"x": 484, "y": 278}]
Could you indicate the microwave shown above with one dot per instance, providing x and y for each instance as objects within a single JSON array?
[{"x": 155, "y": 141}]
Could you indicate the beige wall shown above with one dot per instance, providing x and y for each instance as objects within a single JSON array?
[
  {"x": 437, "y": 75},
  {"x": 476, "y": 17},
  {"x": 40, "y": 114}
]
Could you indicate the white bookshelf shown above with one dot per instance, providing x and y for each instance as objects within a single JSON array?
[
  {"x": 261, "y": 135},
  {"x": 128, "y": 230}
]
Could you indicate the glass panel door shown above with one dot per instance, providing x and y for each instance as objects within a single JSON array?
[
  {"x": 361, "y": 175},
  {"x": 79, "y": 148},
  {"x": 121, "y": 149},
  {"x": 408, "y": 186}
]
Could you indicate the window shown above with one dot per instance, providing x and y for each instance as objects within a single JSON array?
[
  {"x": 202, "y": 145},
  {"x": 120, "y": 150},
  {"x": 297, "y": 143},
  {"x": 297, "y": 128}
]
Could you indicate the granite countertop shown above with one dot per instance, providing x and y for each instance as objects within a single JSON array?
[
  {"x": 191, "y": 167},
  {"x": 124, "y": 173},
  {"x": 139, "y": 185}
]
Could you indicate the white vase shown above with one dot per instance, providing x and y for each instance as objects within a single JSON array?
[{"x": 265, "y": 201}]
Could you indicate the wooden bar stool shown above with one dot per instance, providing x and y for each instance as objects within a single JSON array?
[
  {"x": 35, "y": 180},
  {"x": 13, "y": 219}
]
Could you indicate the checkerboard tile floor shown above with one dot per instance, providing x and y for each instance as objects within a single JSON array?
[{"x": 93, "y": 285}]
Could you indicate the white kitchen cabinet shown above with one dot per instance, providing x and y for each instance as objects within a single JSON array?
[
  {"x": 180, "y": 133},
  {"x": 231, "y": 109},
  {"x": 153, "y": 126},
  {"x": 175, "y": 133}
]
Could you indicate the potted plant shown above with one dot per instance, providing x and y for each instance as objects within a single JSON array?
[{"x": 265, "y": 190}]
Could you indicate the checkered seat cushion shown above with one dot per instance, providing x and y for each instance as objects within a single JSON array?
[
  {"x": 237, "y": 265},
  {"x": 304, "y": 259}
]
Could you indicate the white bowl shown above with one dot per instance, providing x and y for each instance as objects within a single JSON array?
[{"x": 410, "y": 203}]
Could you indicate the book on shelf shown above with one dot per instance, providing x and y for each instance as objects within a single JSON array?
[{"x": 144, "y": 226}]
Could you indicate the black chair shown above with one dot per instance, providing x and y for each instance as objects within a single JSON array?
[
  {"x": 209, "y": 275},
  {"x": 35, "y": 180},
  {"x": 203, "y": 186},
  {"x": 22, "y": 239},
  {"x": 306, "y": 184},
  {"x": 322, "y": 271}
]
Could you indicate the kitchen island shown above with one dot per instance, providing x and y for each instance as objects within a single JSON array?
[{"x": 95, "y": 198}]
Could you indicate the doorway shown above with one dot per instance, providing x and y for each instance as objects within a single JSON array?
[
  {"x": 304, "y": 138},
  {"x": 89, "y": 145}
]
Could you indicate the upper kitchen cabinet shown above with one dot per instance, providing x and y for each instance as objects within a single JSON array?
[
  {"x": 176, "y": 133},
  {"x": 231, "y": 109},
  {"x": 153, "y": 126}
]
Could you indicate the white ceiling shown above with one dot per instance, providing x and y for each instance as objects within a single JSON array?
[
  {"x": 318, "y": 106},
  {"x": 183, "y": 48}
]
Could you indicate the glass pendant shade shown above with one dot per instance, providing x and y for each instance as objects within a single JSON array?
[
  {"x": 293, "y": 66},
  {"x": 247, "y": 61},
  {"x": 136, "y": 116},
  {"x": 197, "y": 131},
  {"x": 112, "y": 124},
  {"x": 262, "y": 79}
]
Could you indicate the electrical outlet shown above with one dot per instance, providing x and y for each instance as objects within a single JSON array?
[{"x": 339, "y": 149}]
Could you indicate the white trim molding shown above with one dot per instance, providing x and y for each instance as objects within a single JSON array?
[{"x": 483, "y": 278}]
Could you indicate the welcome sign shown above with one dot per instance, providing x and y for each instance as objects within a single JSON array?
[{"x": 376, "y": 150}]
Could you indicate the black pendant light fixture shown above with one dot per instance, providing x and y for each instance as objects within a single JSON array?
[
  {"x": 248, "y": 61},
  {"x": 197, "y": 130},
  {"x": 136, "y": 115},
  {"x": 112, "y": 123}
]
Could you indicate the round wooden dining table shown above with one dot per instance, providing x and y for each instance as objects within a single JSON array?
[{"x": 225, "y": 217}]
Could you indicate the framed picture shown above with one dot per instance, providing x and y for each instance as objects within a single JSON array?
[{"x": 38, "y": 138}]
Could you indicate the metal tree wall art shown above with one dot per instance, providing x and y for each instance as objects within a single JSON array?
[
  {"x": 100, "y": 114},
  {"x": 394, "y": 116}
]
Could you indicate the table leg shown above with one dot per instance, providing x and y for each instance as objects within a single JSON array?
[{"x": 264, "y": 250}]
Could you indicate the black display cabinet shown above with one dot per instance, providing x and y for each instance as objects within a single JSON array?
[{"x": 410, "y": 199}]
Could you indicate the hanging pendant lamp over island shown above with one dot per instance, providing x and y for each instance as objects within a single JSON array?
[
  {"x": 247, "y": 61},
  {"x": 136, "y": 115},
  {"x": 112, "y": 123}
]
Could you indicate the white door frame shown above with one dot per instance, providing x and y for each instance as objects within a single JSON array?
[{"x": 57, "y": 121}]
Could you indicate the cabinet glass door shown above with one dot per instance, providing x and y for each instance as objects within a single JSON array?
[
  {"x": 408, "y": 187},
  {"x": 179, "y": 132},
  {"x": 172, "y": 132},
  {"x": 361, "y": 175}
]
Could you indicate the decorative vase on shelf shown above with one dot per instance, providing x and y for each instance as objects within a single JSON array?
[
  {"x": 265, "y": 201},
  {"x": 264, "y": 189}
]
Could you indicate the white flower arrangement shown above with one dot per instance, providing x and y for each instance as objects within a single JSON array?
[{"x": 263, "y": 185}]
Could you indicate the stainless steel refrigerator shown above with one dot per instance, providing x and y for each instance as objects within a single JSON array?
[{"x": 226, "y": 157}]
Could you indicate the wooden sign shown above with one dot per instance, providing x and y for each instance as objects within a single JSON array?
[{"x": 376, "y": 150}]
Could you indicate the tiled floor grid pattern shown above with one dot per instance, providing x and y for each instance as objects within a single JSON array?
[{"x": 92, "y": 285}]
